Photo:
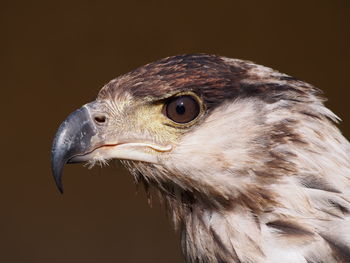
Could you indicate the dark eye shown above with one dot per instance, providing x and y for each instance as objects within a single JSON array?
[{"x": 182, "y": 109}]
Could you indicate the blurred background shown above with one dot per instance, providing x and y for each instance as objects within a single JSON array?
[{"x": 56, "y": 55}]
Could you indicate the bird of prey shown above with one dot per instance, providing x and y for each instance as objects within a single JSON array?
[{"x": 247, "y": 160}]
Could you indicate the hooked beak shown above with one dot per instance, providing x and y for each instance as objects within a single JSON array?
[
  {"x": 79, "y": 139},
  {"x": 72, "y": 138}
]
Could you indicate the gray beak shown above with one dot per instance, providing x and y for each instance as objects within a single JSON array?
[{"x": 72, "y": 138}]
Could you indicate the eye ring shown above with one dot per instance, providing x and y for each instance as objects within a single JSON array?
[{"x": 182, "y": 109}]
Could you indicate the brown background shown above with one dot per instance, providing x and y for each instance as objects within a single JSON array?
[{"x": 55, "y": 57}]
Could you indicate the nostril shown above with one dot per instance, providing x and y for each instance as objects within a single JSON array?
[{"x": 100, "y": 119}]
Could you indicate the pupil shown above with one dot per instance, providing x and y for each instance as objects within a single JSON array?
[{"x": 180, "y": 109}]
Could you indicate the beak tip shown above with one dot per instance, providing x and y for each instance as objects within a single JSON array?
[
  {"x": 57, "y": 169},
  {"x": 59, "y": 185},
  {"x": 60, "y": 189},
  {"x": 58, "y": 181}
]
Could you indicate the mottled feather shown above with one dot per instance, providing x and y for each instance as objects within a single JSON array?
[{"x": 263, "y": 177}]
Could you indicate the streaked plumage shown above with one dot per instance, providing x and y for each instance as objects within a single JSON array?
[{"x": 261, "y": 175}]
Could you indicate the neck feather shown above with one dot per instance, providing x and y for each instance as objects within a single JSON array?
[{"x": 283, "y": 204}]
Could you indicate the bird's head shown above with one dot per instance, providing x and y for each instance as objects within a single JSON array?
[{"x": 195, "y": 126}]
